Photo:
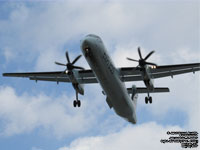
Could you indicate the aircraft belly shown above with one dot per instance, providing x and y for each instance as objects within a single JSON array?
[
  {"x": 113, "y": 87},
  {"x": 119, "y": 98}
]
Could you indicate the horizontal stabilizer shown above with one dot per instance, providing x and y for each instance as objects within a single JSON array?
[{"x": 145, "y": 90}]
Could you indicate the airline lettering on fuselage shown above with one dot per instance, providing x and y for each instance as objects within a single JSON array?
[{"x": 108, "y": 63}]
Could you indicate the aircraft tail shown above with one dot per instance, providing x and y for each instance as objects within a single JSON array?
[{"x": 140, "y": 90}]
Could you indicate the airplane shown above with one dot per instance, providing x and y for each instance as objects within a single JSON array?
[{"x": 123, "y": 100}]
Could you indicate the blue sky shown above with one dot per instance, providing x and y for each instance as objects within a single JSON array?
[{"x": 34, "y": 34}]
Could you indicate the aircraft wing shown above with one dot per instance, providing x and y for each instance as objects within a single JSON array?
[
  {"x": 126, "y": 74},
  {"x": 84, "y": 76},
  {"x": 133, "y": 74},
  {"x": 130, "y": 74},
  {"x": 171, "y": 70}
]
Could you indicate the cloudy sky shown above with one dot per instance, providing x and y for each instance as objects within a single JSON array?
[{"x": 34, "y": 34}]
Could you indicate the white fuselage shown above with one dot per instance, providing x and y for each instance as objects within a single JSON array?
[{"x": 108, "y": 76}]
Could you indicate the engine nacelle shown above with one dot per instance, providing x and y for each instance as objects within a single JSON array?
[
  {"x": 79, "y": 88},
  {"x": 149, "y": 84}
]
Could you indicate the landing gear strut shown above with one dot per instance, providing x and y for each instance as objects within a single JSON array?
[
  {"x": 148, "y": 99},
  {"x": 77, "y": 102}
]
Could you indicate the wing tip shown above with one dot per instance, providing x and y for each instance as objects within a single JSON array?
[{"x": 4, "y": 74}]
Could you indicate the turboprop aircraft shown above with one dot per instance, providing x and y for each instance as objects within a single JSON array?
[{"x": 111, "y": 78}]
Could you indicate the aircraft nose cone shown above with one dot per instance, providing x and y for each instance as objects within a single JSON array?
[
  {"x": 86, "y": 46},
  {"x": 85, "y": 43}
]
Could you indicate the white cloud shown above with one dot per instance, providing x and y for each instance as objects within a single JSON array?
[
  {"x": 185, "y": 55},
  {"x": 8, "y": 53},
  {"x": 24, "y": 113},
  {"x": 43, "y": 31},
  {"x": 184, "y": 96},
  {"x": 143, "y": 136}
]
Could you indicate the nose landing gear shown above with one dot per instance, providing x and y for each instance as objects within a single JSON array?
[{"x": 77, "y": 102}]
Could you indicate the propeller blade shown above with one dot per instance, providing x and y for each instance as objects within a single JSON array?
[
  {"x": 149, "y": 55},
  {"x": 77, "y": 67},
  {"x": 77, "y": 58},
  {"x": 139, "y": 52},
  {"x": 67, "y": 56},
  {"x": 149, "y": 63},
  {"x": 70, "y": 66},
  {"x": 57, "y": 63},
  {"x": 132, "y": 59}
]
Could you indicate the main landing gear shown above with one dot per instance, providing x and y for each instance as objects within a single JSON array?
[
  {"x": 77, "y": 102},
  {"x": 148, "y": 99}
]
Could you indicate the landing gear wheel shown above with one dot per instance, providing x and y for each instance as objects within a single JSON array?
[
  {"x": 150, "y": 100},
  {"x": 74, "y": 103},
  {"x": 79, "y": 103},
  {"x": 146, "y": 100}
]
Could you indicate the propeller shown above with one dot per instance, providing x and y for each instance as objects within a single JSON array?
[
  {"x": 142, "y": 61},
  {"x": 70, "y": 65}
]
